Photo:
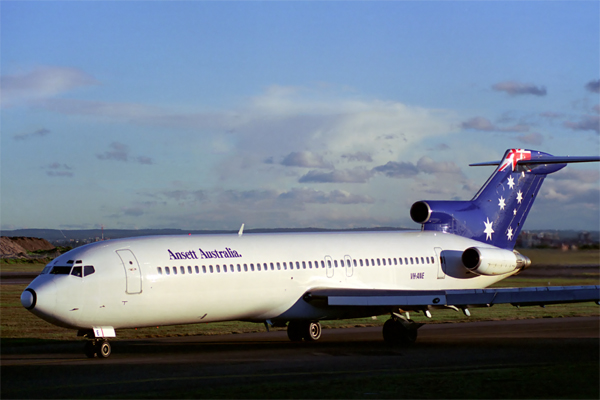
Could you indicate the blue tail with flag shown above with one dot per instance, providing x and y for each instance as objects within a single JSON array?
[{"x": 498, "y": 211}]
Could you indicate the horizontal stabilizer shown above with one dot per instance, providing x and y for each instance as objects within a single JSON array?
[
  {"x": 543, "y": 160},
  {"x": 526, "y": 296}
]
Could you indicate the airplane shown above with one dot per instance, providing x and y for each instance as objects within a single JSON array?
[{"x": 299, "y": 279}]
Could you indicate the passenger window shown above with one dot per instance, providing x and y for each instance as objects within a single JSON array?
[
  {"x": 167, "y": 270},
  {"x": 372, "y": 262},
  {"x": 422, "y": 260},
  {"x": 329, "y": 263},
  {"x": 197, "y": 270},
  {"x": 251, "y": 267},
  {"x": 417, "y": 260},
  {"x": 335, "y": 263},
  {"x": 322, "y": 264},
  {"x": 432, "y": 260},
  {"x": 239, "y": 268},
  {"x": 89, "y": 269},
  {"x": 278, "y": 266},
  {"x": 182, "y": 270},
  {"x": 303, "y": 265},
  {"x": 366, "y": 262},
  {"x": 411, "y": 260},
  {"x": 231, "y": 268},
  {"x": 284, "y": 267},
  {"x": 360, "y": 262},
  {"x": 174, "y": 270},
  {"x": 159, "y": 269},
  {"x": 378, "y": 263},
  {"x": 224, "y": 267},
  {"x": 297, "y": 265},
  {"x": 272, "y": 267},
  {"x": 406, "y": 260},
  {"x": 354, "y": 262},
  {"x": 210, "y": 268},
  {"x": 76, "y": 271},
  {"x": 204, "y": 269},
  {"x": 395, "y": 261},
  {"x": 389, "y": 261},
  {"x": 218, "y": 268},
  {"x": 310, "y": 264},
  {"x": 400, "y": 260},
  {"x": 189, "y": 269},
  {"x": 245, "y": 267},
  {"x": 383, "y": 260},
  {"x": 341, "y": 263}
]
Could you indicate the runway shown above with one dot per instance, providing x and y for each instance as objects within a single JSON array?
[{"x": 191, "y": 366}]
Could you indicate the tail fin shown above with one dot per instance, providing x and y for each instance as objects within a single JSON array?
[{"x": 497, "y": 212}]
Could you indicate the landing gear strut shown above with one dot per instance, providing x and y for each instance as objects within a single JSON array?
[
  {"x": 100, "y": 348},
  {"x": 310, "y": 331},
  {"x": 400, "y": 331}
]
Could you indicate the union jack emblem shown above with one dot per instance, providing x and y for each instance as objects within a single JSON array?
[{"x": 513, "y": 156}]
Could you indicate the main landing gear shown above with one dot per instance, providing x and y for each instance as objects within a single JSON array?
[
  {"x": 97, "y": 348},
  {"x": 310, "y": 331},
  {"x": 399, "y": 330}
]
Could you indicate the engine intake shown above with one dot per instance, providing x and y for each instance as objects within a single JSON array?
[{"x": 485, "y": 261}]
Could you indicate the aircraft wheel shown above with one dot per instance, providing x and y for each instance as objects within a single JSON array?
[
  {"x": 294, "y": 331},
  {"x": 312, "y": 331},
  {"x": 395, "y": 332},
  {"x": 89, "y": 349},
  {"x": 104, "y": 349}
]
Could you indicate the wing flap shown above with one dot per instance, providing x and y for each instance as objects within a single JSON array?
[{"x": 463, "y": 297}]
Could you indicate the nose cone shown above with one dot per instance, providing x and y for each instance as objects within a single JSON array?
[{"x": 29, "y": 298}]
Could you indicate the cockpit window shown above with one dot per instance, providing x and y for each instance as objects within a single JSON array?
[
  {"x": 88, "y": 270},
  {"x": 46, "y": 269},
  {"x": 61, "y": 270},
  {"x": 76, "y": 271}
]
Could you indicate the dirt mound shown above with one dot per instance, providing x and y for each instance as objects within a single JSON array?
[
  {"x": 10, "y": 248},
  {"x": 18, "y": 247},
  {"x": 32, "y": 244}
]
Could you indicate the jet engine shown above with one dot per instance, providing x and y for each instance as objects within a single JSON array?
[{"x": 486, "y": 261}]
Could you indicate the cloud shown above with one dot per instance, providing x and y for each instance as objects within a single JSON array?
[
  {"x": 306, "y": 195},
  {"x": 354, "y": 175},
  {"x": 43, "y": 82},
  {"x": 58, "y": 170},
  {"x": 358, "y": 156},
  {"x": 304, "y": 159},
  {"x": 516, "y": 88},
  {"x": 39, "y": 133},
  {"x": 532, "y": 138},
  {"x": 484, "y": 124},
  {"x": 427, "y": 165},
  {"x": 393, "y": 169},
  {"x": 120, "y": 152},
  {"x": 439, "y": 147},
  {"x": 185, "y": 195},
  {"x": 586, "y": 123},
  {"x": 593, "y": 86}
]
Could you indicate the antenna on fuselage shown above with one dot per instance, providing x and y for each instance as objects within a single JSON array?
[{"x": 241, "y": 231}]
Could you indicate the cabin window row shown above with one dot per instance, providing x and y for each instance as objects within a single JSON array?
[{"x": 296, "y": 265}]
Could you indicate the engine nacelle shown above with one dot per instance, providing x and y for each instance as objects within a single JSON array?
[{"x": 485, "y": 261}]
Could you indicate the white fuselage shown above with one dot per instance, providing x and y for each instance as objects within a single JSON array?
[{"x": 164, "y": 280}]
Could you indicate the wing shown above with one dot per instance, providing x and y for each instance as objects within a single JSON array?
[{"x": 408, "y": 299}]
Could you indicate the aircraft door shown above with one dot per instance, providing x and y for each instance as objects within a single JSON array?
[
  {"x": 329, "y": 266},
  {"x": 133, "y": 273},
  {"x": 441, "y": 263},
  {"x": 349, "y": 266}
]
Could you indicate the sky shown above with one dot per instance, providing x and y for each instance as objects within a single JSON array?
[{"x": 206, "y": 115}]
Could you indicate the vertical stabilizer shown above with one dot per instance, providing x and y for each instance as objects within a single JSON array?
[{"x": 498, "y": 211}]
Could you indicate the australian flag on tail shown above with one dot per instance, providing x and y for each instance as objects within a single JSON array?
[{"x": 497, "y": 212}]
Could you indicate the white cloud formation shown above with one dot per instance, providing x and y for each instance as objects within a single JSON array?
[{"x": 42, "y": 82}]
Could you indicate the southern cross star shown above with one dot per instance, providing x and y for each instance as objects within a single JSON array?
[
  {"x": 501, "y": 203},
  {"x": 509, "y": 233},
  {"x": 519, "y": 197},
  {"x": 488, "y": 229},
  {"x": 511, "y": 182}
]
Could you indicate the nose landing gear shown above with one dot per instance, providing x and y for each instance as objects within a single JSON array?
[{"x": 310, "y": 331}]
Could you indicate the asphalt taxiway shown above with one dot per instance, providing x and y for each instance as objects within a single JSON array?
[{"x": 141, "y": 367}]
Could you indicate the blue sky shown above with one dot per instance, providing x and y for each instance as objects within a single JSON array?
[{"x": 206, "y": 115}]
